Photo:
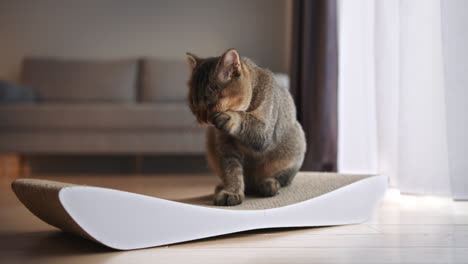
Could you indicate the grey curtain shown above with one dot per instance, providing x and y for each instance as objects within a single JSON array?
[{"x": 314, "y": 80}]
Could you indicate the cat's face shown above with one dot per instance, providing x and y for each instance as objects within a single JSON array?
[{"x": 218, "y": 84}]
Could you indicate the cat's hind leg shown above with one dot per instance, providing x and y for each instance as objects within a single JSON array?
[
  {"x": 270, "y": 186},
  {"x": 272, "y": 174},
  {"x": 278, "y": 167},
  {"x": 286, "y": 176}
]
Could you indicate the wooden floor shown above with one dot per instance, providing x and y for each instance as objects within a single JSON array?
[{"x": 405, "y": 229}]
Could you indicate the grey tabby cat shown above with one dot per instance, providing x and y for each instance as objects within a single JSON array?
[{"x": 254, "y": 143}]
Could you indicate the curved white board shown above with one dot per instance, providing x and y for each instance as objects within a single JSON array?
[{"x": 124, "y": 221}]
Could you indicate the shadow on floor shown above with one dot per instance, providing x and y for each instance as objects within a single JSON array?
[
  {"x": 257, "y": 234},
  {"x": 49, "y": 244}
]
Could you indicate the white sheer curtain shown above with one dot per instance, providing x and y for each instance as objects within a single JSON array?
[{"x": 403, "y": 67}]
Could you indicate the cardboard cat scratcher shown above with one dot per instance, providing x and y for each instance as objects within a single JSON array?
[{"x": 124, "y": 221}]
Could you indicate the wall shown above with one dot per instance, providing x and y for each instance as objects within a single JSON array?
[{"x": 120, "y": 28}]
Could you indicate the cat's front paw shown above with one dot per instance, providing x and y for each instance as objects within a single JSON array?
[
  {"x": 226, "y": 121},
  {"x": 225, "y": 198}
]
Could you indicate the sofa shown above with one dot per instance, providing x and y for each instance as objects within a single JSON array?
[
  {"x": 101, "y": 106},
  {"x": 125, "y": 106}
]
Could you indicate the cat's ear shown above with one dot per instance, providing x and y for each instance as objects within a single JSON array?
[
  {"x": 192, "y": 60},
  {"x": 229, "y": 66}
]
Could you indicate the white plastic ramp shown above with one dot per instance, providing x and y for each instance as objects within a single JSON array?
[{"x": 124, "y": 221}]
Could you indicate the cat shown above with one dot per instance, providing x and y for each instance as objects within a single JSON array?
[{"x": 254, "y": 142}]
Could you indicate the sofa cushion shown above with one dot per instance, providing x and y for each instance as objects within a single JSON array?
[
  {"x": 81, "y": 80},
  {"x": 164, "y": 80},
  {"x": 11, "y": 92},
  {"x": 110, "y": 141},
  {"x": 95, "y": 117}
]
